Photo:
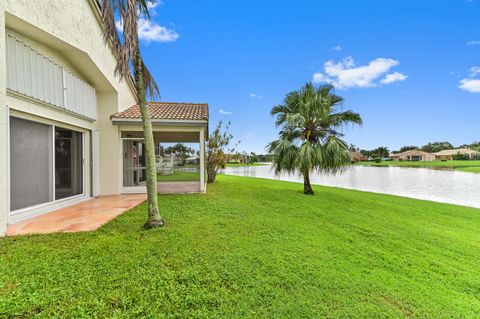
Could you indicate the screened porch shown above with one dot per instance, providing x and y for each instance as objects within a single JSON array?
[{"x": 180, "y": 131}]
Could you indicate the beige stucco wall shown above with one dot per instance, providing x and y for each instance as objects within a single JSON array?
[
  {"x": 75, "y": 23},
  {"x": 425, "y": 157},
  {"x": 68, "y": 32},
  {"x": 109, "y": 145},
  {"x": 3, "y": 128}
]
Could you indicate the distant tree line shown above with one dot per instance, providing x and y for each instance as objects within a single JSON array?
[
  {"x": 248, "y": 158},
  {"x": 433, "y": 147},
  {"x": 381, "y": 152},
  {"x": 474, "y": 146}
]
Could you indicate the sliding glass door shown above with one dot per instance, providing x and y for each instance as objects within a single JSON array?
[
  {"x": 68, "y": 163},
  {"x": 31, "y": 163},
  {"x": 46, "y": 163}
]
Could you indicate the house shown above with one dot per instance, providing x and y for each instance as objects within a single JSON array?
[
  {"x": 448, "y": 155},
  {"x": 193, "y": 160},
  {"x": 413, "y": 155},
  {"x": 69, "y": 129},
  {"x": 357, "y": 157}
]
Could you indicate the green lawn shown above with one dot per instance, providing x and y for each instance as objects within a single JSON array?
[
  {"x": 467, "y": 166},
  {"x": 254, "y": 248},
  {"x": 179, "y": 176}
]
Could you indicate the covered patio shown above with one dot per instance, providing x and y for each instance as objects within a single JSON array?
[
  {"x": 85, "y": 216},
  {"x": 180, "y": 131}
]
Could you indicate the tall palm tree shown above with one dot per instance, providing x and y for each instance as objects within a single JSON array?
[
  {"x": 129, "y": 57},
  {"x": 309, "y": 138}
]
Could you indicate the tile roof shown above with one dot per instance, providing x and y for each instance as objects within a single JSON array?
[
  {"x": 168, "y": 111},
  {"x": 456, "y": 151},
  {"x": 410, "y": 152}
]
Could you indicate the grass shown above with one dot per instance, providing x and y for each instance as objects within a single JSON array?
[
  {"x": 244, "y": 164},
  {"x": 467, "y": 166},
  {"x": 469, "y": 169},
  {"x": 254, "y": 248},
  {"x": 179, "y": 176}
]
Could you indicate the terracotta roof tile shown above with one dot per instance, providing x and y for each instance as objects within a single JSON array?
[{"x": 168, "y": 111}]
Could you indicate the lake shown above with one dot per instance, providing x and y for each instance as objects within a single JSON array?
[{"x": 445, "y": 186}]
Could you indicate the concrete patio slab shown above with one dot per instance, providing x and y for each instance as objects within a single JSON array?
[{"x": 86, "y": 216}]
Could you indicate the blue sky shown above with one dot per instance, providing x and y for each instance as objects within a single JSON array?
[{"x": 399, "y": 63}]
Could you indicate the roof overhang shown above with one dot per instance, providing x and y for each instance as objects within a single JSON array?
[{"x": 158, "y": 122}]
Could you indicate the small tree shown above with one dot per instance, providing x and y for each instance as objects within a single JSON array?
[
  {"x": 216, "y": 147},
  {"x": 180, "y": 150},
  {"x": 381, "y": 152},
  {"x": 310, "y": 139}
]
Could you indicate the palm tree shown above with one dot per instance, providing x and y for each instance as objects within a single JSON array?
[
  {"x": 129, "y": 57},
  {"x": 309, "y": 138},
  {"x": 381, "y": 151}
]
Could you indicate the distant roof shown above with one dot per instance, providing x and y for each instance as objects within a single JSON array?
[
  {"x": 410, "y": 152},
  {"x": 357, "y": 156},
  {"x": 456, "y": 151},
  {"x": 167, "y": 111}
]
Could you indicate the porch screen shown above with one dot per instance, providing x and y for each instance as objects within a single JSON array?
[{"x": 31, "y": 163}]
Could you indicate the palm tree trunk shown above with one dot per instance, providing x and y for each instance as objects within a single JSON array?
[
  {"x": 307, "y": 187},
  {"x": 154, "y": 218}
]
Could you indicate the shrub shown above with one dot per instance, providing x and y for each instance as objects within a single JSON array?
[
  {"x": 216, "y": 147},
  {"x": 378, "y": 159},
  {"x": 461, "y": 157}
]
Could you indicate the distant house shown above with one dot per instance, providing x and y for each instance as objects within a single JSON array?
[
  {"x": 193, "y": 160},
  {"x": 357, "y": 157},
  {"x": 448, "y": 155},
  {"x": 413, "y": 155}
]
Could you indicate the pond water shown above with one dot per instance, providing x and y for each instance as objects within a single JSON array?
[{"x": 446, "y": 186}]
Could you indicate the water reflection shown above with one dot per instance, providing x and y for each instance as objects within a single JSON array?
[{"x": 446, "y": 186}]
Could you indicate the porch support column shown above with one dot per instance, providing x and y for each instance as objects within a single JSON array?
[{"x": 202, "y": 160}]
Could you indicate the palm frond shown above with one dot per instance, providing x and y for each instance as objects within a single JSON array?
[
  {"x": 150, "y": 84},
  {"x": 127, "y": 51}
]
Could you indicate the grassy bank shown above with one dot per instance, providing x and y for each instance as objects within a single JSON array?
[
  {"x": 469, "y": 169},
  {"x": 244, "y": 164},
  {"x": 254, "y": 248},
  {"x": 467, "y": 166}
]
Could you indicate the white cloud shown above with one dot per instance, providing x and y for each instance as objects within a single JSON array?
[
  {"x": 255, "y": 96},
  {"x": 345, "y": 74},
  {"x": 225, "y": 112},
  {"x": 474, "y": 70},
  {"x": 337, "y": 48},
  {"x": 149, "y": 30},
  {"x": 393, "y": 77},
  {"x": 152, "y": 32},
  {"x": 471, "y": 84},
  {"x": 474, "y": 42},
  {"x": 153, "y": 5}
]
